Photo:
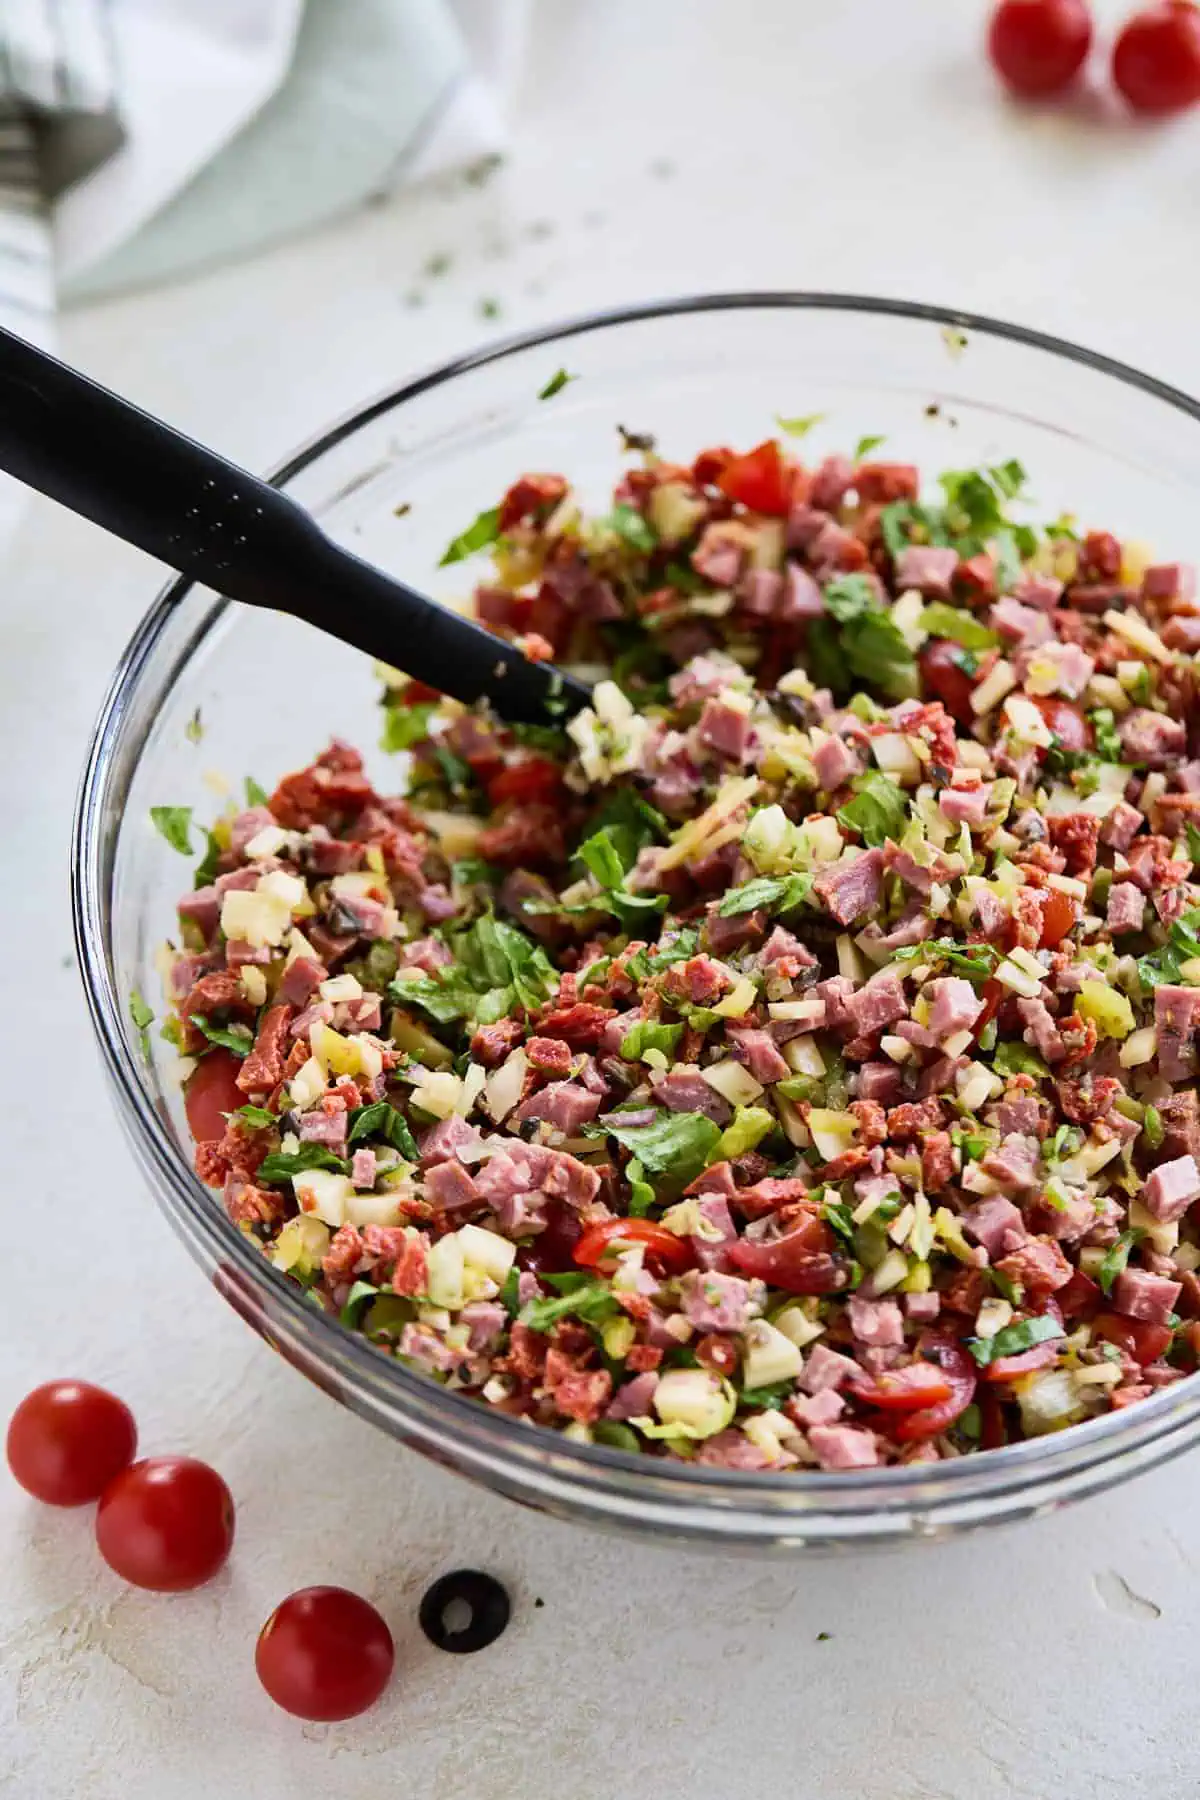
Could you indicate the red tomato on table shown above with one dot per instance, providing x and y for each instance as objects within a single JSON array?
[
  {"x": 1039, "y": 46},
  {"x": 166, "y": 1523},
  {"x": 324, "y": 1653},
  {"x": 1156, "y": 59},
  {"x": 67, "y": 1440}
]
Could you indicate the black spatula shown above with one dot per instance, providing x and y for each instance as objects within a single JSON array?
[{"x": 145, "y": 482}]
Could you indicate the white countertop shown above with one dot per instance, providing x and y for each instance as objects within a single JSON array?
[{"x": 858, "y": 146}]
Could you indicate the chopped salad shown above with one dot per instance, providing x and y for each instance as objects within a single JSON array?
[{"x": 787, "y": 1062}]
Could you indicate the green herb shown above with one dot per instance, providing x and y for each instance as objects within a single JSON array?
[
  {"x": 676, "y": 1144},
  {"x": 257, "y": 1117},
  {"x": 616, "y": 1436},
  {"x": 879, "y": 809},
  {"x": 1182, "y": 945},
  {"x": 601, "y": 855},
  {"x": 649, "y": 1034},
  {"x": 684, "y": 579},
  {"x": 1108, "y": 742},
  {"x": 823, "y": 1637},
  {"x": 1116, "y": 1258},
  {"x": 282, "y": 1165},
  {"x": 875, "y": 650},
  {"x": 175, "y": 824},
  {"x": 782, "y": 893},
  {"x": 509, "y": 1295},
  {"x": 356, "y": 1300},
  {"x": 404, "y": 726},
  {"x": 628, "y": 523},
  {"x": 143, "y": 1017},
  {"x": 255, "y": 795},
  {"x": 456, "y": 771},
  {"x": 943, "y": 621},
  {"x": 206, "y": 870},
  {"x": 556, "y": 384},
  {"x": 472, "y": 871},
  {"x": 799, "y": 427},
  {"x": 969, "y": 1424},
  {"x": 1152, "y": 1127},
  {"x": 1010, "y": 1290},
  {"x": 837, "y": 1214},
  {"x": 865, "y": 445},
  {"x": 495, "y": 967},
  {"x": 1009, "y": 477},
  {"x": 771, "y": 1398},
  {"x": 484, "y": 531},
  {"x": 193, "y": 731},
  {"x": 551, "y": 740},
  {"x": 976, "y": 961},
  {"x": 591, "y": 1300},
  {"x": 631, "y": 824},
  {"x": 678, "y": 947},
  {"x": 1015, "y": 1338},
  {"x": 849, "y": 596},
  {"x": 1193, "y": 841},
  {"x": 1019, "y": 1059},
  {"x": 380, "y": 1119},
  {"x": 229, "y": 1037},
  {"x": 641, "y": 1195}
]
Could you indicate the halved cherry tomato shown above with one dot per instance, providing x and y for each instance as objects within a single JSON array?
[
  {"x": 921, "y": 1384},
  {"x": 959, "y": 1370},
  {"x": 944, "y": 678},
  {"x": 211, "y": 1092},
  {"x": 1066, "y": 721},
  {"x": 533, "y": 778},
  {"x": 1059, "y": 916},
  {"x": 799, "y": 1262},
  {"x": 759, "y": 480},
  {"x": 1137, "y": 1337},
  {"x": 1007, "y": 1368},
  {"x": 601, "y": 1243}
]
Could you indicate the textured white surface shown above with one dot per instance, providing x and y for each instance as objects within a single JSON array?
[{"x": 784, "y": 143}]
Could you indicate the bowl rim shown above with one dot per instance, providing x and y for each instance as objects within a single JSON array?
[{"x": 494, "y": 1439}]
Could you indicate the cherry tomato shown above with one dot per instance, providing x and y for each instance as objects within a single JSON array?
[
  {"x": 759, "y": 480},
  {"x": 67, "y": 1440},
  {"x": 717, "y": 1353},
  {"x": 1066, "y": 721},
  {"x": 1137, "y": 1337},
  {"x": 991, "y": 993},
  {"x": 957, "y": 1366},
  {"x": 1079, "y": 1297},
  {"x": 211, "y": 1092},
  {"x": 943, "y": 676},
  {"x": 799, "y": 1262},
  {"x": 166, "y": 1523},
  {"x": 904, "y": 1390},
  {"x": 1156, "y": 59},
  {"x": 324, "y": 1653},
  {"x": 709, "y": 464},
  {"x": 1007, "y": 1368},
  {"x": 1059, "y": 916},
  {"x": 600, "y": 1244},
  {"x": 1039, "y": 46},
  {"x": 533, "y": 778}
]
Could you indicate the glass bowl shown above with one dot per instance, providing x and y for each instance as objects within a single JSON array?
[{"x": 397, "y": 482}]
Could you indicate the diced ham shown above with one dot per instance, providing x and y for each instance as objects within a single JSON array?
[
  {"x": 823, "y": 1408},
  {"x": 724, "y": 935},
  {"x": 681, "y": 1091},
  {"x": 835, "y": 762},
  {"x": 878, "y": 1004},
  {"x": 781, "y": 943},
  {"x": 1171, "y": 1188},
  {"x": 1014, "y": 1161},
  {"x": 760, "y": 592},
  {"x": 1175, "y": 1018},
  {"x": 450, "y": 1187},
  {"x": 1121, "y": 826},
  {"x": 1073, "y": 667},
  {"x": 363, "y": 1168},
  {"x": 715, "y": 1302},
  {"x": 802, "y": 598},
  {"x": 965, "y": 806},
  {"x": 1126, "y": 907},
  {"x": 831, "y": 482},
  {"x": 324, "y": 1128},
  {"x": 247, "y": 825},
  {"x": 850, "y": 888},
  {"x": 825, "y": 1368},
  {"x": 954, "y": 1005},
  {"x": 449, "y": 1138},
  {"x": 421, "y": 1345},
  {"x": 733, "y": 1450},
  {"x": 876, "y": 1323},
  {"x": 1041, "y": 1031},
  {"x": 913, "y": 926},
  {"x": 567, "y": 1105},
  {"x": 997, "y": 1225},
  {"x": 880, "y": 1081},
  {"x": 1153, "y": 738},
  {"x": 486, "y": 1320},
  {"x": 1042, "y": 591},
  {"x": 923, "y": 1309},
  {"x": 1169, "y": 581},
  {"x": 633, "y": 1399},
  {"x": 725, "y": 729},
  {"x": 844, "y": 1447},
  {"x": 1040, "y": 1267},
  {"x": 1025, "y": 625},
  {"x": 203, "y": 908},
  {"x": 1023, "y": 1114},
  {"x": 1140, "y": 1295},
  {"x": 928, "y": 568},
  {"x": 721, "y": 554},
  {"x": 711, "y": 1251},
  {"x": 756, "y": 1048}
]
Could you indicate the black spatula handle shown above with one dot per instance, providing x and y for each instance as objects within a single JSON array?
[{"x": 138, "y": 478}]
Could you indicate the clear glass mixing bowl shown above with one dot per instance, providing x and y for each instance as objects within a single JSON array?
[{"x": 396, "y": 482}]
